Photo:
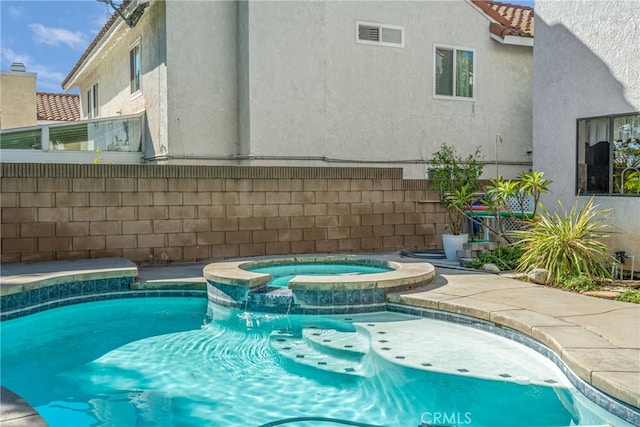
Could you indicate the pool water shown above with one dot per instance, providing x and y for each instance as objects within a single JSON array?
[
  {"x": 282, "y": 273},
  {"x": 178, "y": 362}
]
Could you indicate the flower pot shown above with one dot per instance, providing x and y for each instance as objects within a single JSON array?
[{"x": 453, "y": 243}]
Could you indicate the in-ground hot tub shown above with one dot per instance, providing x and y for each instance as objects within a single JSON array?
[{"x": 247, "y": 285}]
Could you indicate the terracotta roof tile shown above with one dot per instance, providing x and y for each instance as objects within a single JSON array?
[
  {"x": 512, "y": 20},
  {"x": 59, "y": 107}
]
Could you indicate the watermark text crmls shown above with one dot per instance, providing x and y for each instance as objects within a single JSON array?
[{"x": 436, "y": 418}]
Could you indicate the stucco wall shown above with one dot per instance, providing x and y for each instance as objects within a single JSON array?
[
  {"x": 18, "y": 100},
  {"x": 315, "y": 92},
  {"x": 174, "y": 213},
  {"x": 276, "y": 83},
  {"x": 110, "y": 68},
  {"x": 202, "y": 79},
  {"x": 586, "y": 64}
]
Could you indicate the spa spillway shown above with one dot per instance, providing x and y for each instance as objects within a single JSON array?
[{"x": 351, "y": 284}]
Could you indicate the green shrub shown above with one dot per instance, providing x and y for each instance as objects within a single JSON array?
[
  {"x": 505, "y": 258},
  {"x": 630, "y": 295},
  {"x": 567, "y": 245},
  {"x": 580, "y": 284}
]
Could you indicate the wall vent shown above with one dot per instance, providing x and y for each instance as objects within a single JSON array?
[
  {"x": 368, "y": 33},
  {"x": 380, "y": 34}
]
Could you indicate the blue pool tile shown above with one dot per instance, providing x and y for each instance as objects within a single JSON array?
[
  {"x": 75, "y": 289},
  {"x": 339, "y": 297},
  {"x": 9, "y": 302},
  {"x": 325, "y": 298},
  {"x": 101, "y": 286},
  {"x": 53, "y": 292},
  {"x": 34, "y": 297},
  {"x": 63, "y": 291},
  {"x": 354, "y": 296},
  {"x": 379, "y": 295},
  {"x": 125, "y": 283},
  {"x": 366, "y": 296},
  {"x": 113, "y": 284},
  {"x": 305, "y": 297},
  {"x": 23, "y": 299},
  {"x": 89, "y": 287}
]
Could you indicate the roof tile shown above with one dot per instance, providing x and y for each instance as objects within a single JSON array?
[
  {"x": 59, "y": 107},
  {"x": 512, "y": 20}
]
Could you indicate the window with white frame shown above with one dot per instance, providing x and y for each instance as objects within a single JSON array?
[
  {"x": 135, "y": 68},
  {"x": 93, "y": 101},
  {"x": 380, "y": 34},
  {"x": 454, "y": 72},
  {"x": 609, "y": 155}
]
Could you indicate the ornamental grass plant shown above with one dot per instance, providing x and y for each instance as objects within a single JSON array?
[{"x": 567, "y": 244}]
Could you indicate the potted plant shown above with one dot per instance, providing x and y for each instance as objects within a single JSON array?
[{"x": 457, "y": 180}]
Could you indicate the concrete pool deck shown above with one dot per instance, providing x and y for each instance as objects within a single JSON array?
[{"x": 598, "y": 339}]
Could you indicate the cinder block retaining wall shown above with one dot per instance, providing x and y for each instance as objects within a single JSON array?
[{"x": 158, "y": 214}]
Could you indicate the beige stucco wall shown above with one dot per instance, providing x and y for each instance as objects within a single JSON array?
[
  {"x": 18, "y": 99},
  {"x": 281, "y": 83},
  {"x": 202, "y": 76},
  {"x": 315, "y": 92},
  {"x": 584, "y": 66}
]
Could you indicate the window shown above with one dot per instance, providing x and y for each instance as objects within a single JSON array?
[
  {"x": 93, "y": 102},
  {"x": 609, "y": 155},
  {"x": 454, "y": 75},
  {"x": 134, "y": 68},
  {"x": 380, "y": 34}
]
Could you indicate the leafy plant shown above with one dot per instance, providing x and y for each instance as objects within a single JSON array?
[
  {"x": 567, "y": 245},
  {"x": 533, "y": 184},
  {"x": 457, "y": 180},
  {"x": 630, "y": 295},
  {"x": 580, "y": 283},
  {"x": 457, "y": 204},
  {"x": 505, "y": 258},
  {"x": 632, "y": 182},
  {"x": 501, "y": 192},
  {"x": 98, "y": 159}
]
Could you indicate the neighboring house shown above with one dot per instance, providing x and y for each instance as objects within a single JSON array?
[
  {"x": 586, "y": 109},
  {"x": 17, "y": 97},
  {"x": 22, "y": 106},
  {"x": 323, "y": 83},
  {"x": 44, "y": 127}
]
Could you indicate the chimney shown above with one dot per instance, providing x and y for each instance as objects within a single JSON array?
[{"x": 18, "y": 67}]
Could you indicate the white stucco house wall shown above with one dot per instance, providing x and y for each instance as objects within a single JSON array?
[
  {"x": 586, "y": 108},
  {"x": 317, "y": 83}
]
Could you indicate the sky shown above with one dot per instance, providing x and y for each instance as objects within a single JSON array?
[{"x": 49, "y": 36}]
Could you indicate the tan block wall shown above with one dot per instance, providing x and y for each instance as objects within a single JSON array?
[{"x": 160, "y": 214}]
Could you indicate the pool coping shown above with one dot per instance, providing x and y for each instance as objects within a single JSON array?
[
  {"x": 23, "y": 277},
  {"x": 15, "y": 411},
  {"x": 401, "y": 273},
  {"x": 599, "y": 340}
]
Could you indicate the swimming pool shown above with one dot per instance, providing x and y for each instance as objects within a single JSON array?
[{"x": 183, "y": 362}]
